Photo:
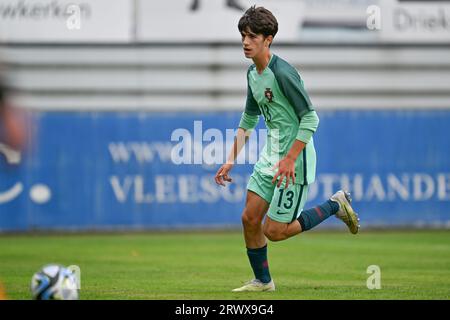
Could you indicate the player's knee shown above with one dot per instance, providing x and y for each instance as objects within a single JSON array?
[{"x": 249, "y": 220}]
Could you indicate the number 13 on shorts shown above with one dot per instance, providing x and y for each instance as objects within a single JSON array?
[{"x": 287, "y": 203}]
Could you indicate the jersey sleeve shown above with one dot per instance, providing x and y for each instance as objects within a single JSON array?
[
  {"x": 292, "y": 87},
  {"x": 250, "y": 116},
  {"x": 248, "y": 122},
  {"x": 251, "y": 106},
  {"x": 308, "y": 125}
]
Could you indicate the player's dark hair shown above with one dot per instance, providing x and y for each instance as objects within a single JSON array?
[{"x": 260, "y": 21}]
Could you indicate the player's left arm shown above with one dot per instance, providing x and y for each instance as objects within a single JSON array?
[
  {"x": 292, "y": 87},
  {"x": 286, "y": 166}
]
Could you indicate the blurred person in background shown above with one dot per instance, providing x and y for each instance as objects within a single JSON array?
[
  {"x": 12, "y": 133},
  {"x": 12, "y": 126}
]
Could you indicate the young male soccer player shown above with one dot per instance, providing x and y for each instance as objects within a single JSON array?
[{"x": 286, "y": 167}]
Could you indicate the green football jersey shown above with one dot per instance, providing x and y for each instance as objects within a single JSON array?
[{"x": 279, "y": 95}]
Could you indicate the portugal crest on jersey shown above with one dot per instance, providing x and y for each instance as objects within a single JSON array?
[{"x": 268, "y": 94}]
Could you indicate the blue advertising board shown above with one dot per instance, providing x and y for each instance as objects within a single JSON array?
[{"x": 131, "y": 170}]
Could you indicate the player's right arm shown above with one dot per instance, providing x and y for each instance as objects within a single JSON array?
[
  {"x": 239, "y": 142},
  {"x": 249, "y": 120}
]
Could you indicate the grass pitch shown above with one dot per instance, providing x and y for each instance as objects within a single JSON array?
[{"x": 314, "y": 265}]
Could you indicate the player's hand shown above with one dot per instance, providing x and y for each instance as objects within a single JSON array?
[
  {"x": 286, "y": 169},
  {"x": 222, "y": 174}
]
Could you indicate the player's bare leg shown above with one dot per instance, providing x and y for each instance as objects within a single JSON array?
[
  {"x": 277, "y": 231},
  {"x": 252, "y": 217}
]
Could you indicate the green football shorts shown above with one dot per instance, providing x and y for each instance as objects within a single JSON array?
[{"x": 285, "y": 204}]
